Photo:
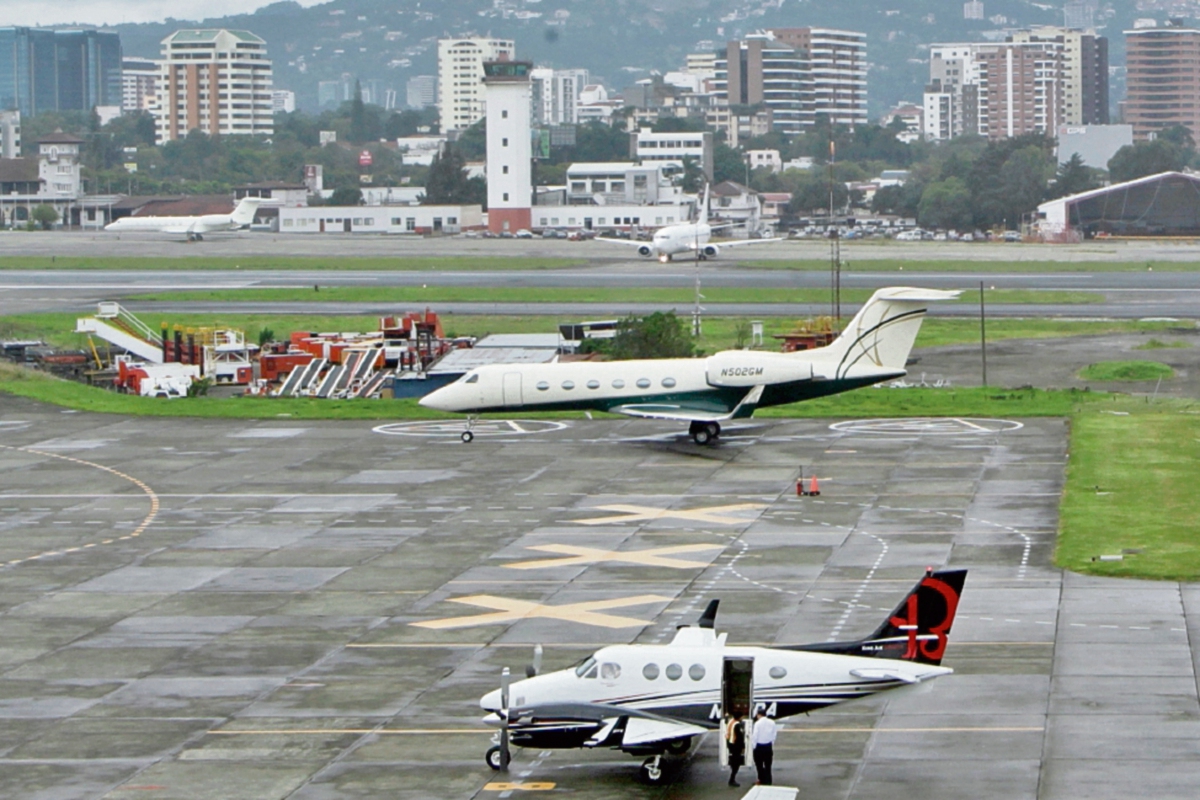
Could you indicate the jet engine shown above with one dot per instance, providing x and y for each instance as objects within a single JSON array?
[
  {"x": 710, "y": 251},
  {"x": 645, "y": 250},
  {"x": 745, "y": 368}
]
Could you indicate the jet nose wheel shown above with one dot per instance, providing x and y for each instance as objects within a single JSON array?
[
  {"x": 652, "y": 772},
  {"x": 492, "y": 757},
  {"x": 468, "y": 437}
]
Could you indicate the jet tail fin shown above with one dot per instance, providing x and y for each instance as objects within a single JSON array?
[
  {"x": 917, "y": 630},
  {"x": 243, "y": 215},
  {"x": 882, "y": 333}
]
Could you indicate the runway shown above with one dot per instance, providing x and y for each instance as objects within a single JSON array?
[{"x": 229, "y": 609}]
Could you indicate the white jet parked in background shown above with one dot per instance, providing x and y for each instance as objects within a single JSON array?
[{"x": 193, "y": 227}]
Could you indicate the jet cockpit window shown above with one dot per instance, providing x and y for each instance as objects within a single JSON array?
[
  {"x": 473, "y": 379},
  {"x": 610, "y": 671},
  {"x": 588, "y": 664}
]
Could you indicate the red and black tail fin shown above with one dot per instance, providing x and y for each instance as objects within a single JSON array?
[{"x": 919, "y": 627}]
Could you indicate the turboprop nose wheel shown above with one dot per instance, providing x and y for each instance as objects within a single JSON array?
[
  {"x": 652, "y": 771},
  {"x": 703, "y": 433}
]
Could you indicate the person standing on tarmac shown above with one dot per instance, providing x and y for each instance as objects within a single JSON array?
[
  {"x": 735, "y": 738},
  {"x": 763, "y": 736}
]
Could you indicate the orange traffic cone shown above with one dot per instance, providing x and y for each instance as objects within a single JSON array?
[{"x": 813, "y": 491}]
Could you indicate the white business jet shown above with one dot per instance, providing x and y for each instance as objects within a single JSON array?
[
  {"x": 704, "y": 392},
  {"x": 193, "y": 227},
  {"x": 685, "y": 237},
  {"x": 654, "y": 701}
]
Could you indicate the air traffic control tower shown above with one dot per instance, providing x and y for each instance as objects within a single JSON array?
[{"x": 509, "y": 149}]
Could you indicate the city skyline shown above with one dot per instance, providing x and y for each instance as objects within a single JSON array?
[{"x": 118, "y": 12}]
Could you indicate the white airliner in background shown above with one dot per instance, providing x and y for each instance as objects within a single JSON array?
[
  {"x": 193, "y": 227},
  {"x": 654, "y": 700},
  {"x": 685, "y": 237},
  {"x": 705, "y": 392}
]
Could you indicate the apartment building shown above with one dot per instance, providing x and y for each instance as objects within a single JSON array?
[
  {"x": 1020, "y": 89},
  {"x": 1084, "y": 88},
  {"x": 671, "y": 150},
  {"x": 837, "y": 62},
  {"x": 460, "y": 78},
  {"x": 556, "y": 95},
  {"x": 1162, "y": 80},
  {"x": 139, "y": 83},
  {"x": 214, "y": 80}
]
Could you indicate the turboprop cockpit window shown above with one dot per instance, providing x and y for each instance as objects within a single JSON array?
[
  {"x": 610, "y": 671},
  {"x": 473, "y": 379},
  {"x": 588, "y": 663}
]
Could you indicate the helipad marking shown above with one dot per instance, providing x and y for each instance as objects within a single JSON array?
[
  {"x": 714, "y": 515},
  {"x": 927, "y": 426},
  {"x": 654, "y": 557},
  {"x": 511, "y": 610},
  {"x": 453, "y": 429}
]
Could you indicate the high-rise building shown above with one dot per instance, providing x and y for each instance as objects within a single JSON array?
[
  {"x": 837, "y": 62},
  {"x": 10, "y": 134},
  {"x": 460, "y": 78},
  {"x": 60, "y": 70},
  {"x": 1020, "y": 89},
  {"x": 214, "y": 80},
  {"x": 139, "y": 83},
  {"x": 1084, "y": 71},
  {"x": 509, "y": 145},
  {"x": 800, "y": 74},
  {"x": 283, "y": 101},
  {"x": 1080, "y": 14},
  {"x": 556, "y": 95},
  {"x": 1162, "y": 80},
  {"x": 973, "y": 9},
  {"x": 421, "y": 91}
]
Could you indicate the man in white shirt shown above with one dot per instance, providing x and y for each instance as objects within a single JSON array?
[{"x": 763, "y": 737}]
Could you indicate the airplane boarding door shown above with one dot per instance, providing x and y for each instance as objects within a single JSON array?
[
  {"x": 512, "y": 389},
  {"x": 737, "y": 697}
]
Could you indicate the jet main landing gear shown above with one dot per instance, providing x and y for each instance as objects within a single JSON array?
[{"x": 704, "y": 432}]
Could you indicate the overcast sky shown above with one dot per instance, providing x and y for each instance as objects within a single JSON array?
[{"x": 114, "y": 12}]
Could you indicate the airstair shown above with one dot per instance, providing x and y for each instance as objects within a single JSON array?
[{"x": 117, "y": 326}]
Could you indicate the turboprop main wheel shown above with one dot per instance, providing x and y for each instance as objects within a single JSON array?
[
  {"x": 467, "y": 438},
  {"x": 652, "y": 773},
  {"x": 492, "y": 757},
  {"x": 714, "y": 429},
  {"x": 678, "y": 747}
]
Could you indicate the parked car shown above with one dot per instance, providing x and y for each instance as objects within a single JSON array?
[{"x": 524, "y": 234}]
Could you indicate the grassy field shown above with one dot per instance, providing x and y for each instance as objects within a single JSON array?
[
  {"x": 980, "y": 267},
  {"x": 583, "y": 294},
  {"x": 221, "y": 263},
  {"x": 719, "y": 333},
  {"x": 1131, "y": 491},
  {"x": 1126, "y": 371}
]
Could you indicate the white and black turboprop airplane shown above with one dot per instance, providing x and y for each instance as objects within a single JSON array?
[
  {"x": 686, "y": 237},
  {"x": 194, "y": 227},
  {"x": 704, "y": 392},
  {"x": 654, "y": 701}
]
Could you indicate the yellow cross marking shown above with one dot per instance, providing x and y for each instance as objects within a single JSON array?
[
  {"x": 654, "y": 557},
  {"x": 510, "y": 610},
  {"x": 715, "y": 515}
]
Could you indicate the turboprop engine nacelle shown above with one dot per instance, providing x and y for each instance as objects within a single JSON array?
[
  {"x": 745, "y": 368},
  {"x": 711, "y": 250}
]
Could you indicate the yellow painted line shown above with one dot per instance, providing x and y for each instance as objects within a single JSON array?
[
  {"x": 715, "y": 515},
  {"x": 510, "y": 610},
  {"x": 138, "y": 531},
  {"x": 653, "y": 557},
  {"x": 499, "y": 786},
  {"x": 357, "y": 732}
]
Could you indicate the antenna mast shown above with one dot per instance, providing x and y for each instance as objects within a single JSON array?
[{"x": 835, "y": 249}]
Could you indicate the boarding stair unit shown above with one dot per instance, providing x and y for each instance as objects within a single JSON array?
[{"x": 118, "y": 327}]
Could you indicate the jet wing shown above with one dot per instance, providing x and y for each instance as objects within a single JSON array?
[
  {"x": 626, "y": 242},
  {"x": 177, "y": 228},
  {"x": 682, "y": 413},
  {"x": 744, "y": 242}
]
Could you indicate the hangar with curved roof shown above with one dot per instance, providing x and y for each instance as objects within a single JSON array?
[{"x": 1166, "y": 204}]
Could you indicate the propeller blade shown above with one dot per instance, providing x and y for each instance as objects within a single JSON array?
[{"x": 505, "y": 755}]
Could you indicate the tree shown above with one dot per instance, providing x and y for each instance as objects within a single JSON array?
[
  {"x": 472, "y": 143},
  {"x": 693, "y": 177},
  {"x": 1147, "y": 158},
  {"x": 728, "y": 164},
  {"x": 1073, "y": 177},
  {"x": 45, "y": 215},
  {"x": 660, "y": 335},
  {"x": 346, "y": 196},
  {"x": 447, "y": 182},
  {"x": 812, "y": 195},
  {"x": 945, "y": 204}
]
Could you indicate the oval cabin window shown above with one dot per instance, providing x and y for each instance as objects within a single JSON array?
[
  {"x": 643, "y": 383},
  {"x": 777, "y": 673},
  {"x": 674, "y": 672},
  {"x": 668, "y": 382},
  {"x": 543, "y": 386},
  {"x": 696, "y": 672},
  {"x": 618, "y": 384},
  {"x": 568, "y": 385},
  {"x": 650, "y": 671},
  {"x": 593, "y": 384}
]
